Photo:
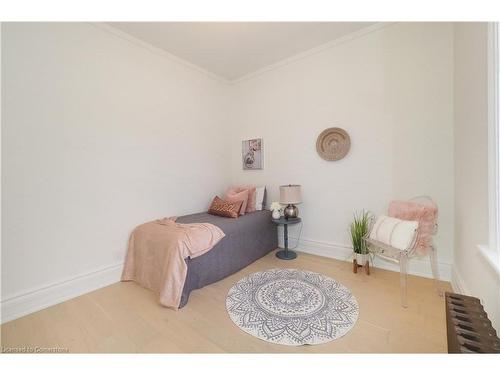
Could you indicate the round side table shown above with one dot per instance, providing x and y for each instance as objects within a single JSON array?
[{"x": 285, "y": 253}]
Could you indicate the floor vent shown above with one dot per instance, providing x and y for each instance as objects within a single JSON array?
[{"x": 469, "y": 329}]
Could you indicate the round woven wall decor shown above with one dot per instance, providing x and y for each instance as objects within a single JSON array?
[{"x": 333, "y": 144}]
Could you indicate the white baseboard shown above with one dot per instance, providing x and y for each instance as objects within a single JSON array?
[
  {"x": 418, "y": 267},
  {"x": 22, "y": 304},
  {"x": 457, "y": 283},
  {"x": 14, "y": 307}
]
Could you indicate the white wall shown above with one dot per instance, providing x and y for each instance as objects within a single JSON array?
[
  {"x": 472, "y": 274},
  {"x": 392, "y": 90},
  {"x": 99, "y": 134}
]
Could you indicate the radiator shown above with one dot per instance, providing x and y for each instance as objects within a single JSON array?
[{"x": 468, "y": 327}]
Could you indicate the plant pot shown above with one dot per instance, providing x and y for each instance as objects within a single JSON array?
[
  {"x": 361, "y": 259},
  {"x": 276, "y": 214}
]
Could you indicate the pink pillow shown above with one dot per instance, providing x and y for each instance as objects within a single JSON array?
[
  {"x": 426, "y": 215},
  {"x": 241, "y": 196},
  {"x": 251, "y": 195}
]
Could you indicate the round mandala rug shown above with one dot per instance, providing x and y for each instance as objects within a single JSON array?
[{"x": 292, "y": 307}]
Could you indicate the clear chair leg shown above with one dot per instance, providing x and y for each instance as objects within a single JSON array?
[
  {"x": 403, "y": 264},
  {"x": 435, "y": 270}
]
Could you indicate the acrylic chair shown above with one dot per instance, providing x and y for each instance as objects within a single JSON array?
[{"x": 424, "y": 210}]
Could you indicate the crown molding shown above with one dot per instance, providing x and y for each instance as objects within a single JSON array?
[
  {"x": 289, "y": 60},
  {"x": 157, "y": 51},
  {"x": 313, "y": 51}
]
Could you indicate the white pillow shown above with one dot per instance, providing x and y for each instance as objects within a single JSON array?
[
  {"x": 259, "y": 197},
  {"x": 394, "y": 232}
]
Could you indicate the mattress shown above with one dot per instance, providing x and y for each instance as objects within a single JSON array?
[{"x": 247, "y": 239}]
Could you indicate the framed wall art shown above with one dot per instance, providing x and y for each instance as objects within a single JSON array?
[{"x": 252, "y": 154}]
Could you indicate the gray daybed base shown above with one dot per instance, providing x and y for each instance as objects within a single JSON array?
[{"x": 247, "y": 239}]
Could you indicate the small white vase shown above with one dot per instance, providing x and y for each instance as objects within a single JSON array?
[{"x": 276, "y": 214}]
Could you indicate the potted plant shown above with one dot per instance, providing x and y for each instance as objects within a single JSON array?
[
  {"x": 277, "y": 210},
  {"x": 358, "y": 229}
]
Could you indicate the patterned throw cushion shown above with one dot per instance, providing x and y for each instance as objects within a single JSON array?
[
  {"x": 394, "y": 232},
  {"x": 221, "y": 207}
]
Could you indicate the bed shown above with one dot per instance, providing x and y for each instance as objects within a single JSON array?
[{"x": 247, "y": 239}]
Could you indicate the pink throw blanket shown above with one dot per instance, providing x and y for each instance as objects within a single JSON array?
[
  {"x": 157, "y": 251},
  {"x": 426, "y": 215}
]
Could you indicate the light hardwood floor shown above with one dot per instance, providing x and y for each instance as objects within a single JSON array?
[{"x": 124, "y": 317}]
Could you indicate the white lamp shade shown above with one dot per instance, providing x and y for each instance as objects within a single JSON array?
[{"x": 290, "y": 194}]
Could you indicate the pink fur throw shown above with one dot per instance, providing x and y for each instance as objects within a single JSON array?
[
  {"x": 426, "y": 215},
  {"x": 251, "y": 195},
  {"x": 242, "y": 196}
]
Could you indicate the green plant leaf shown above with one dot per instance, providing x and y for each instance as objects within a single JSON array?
[{"x": 358, "y": 229}]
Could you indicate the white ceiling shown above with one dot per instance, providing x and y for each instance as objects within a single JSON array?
[{"x": 234, "y": 49}]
